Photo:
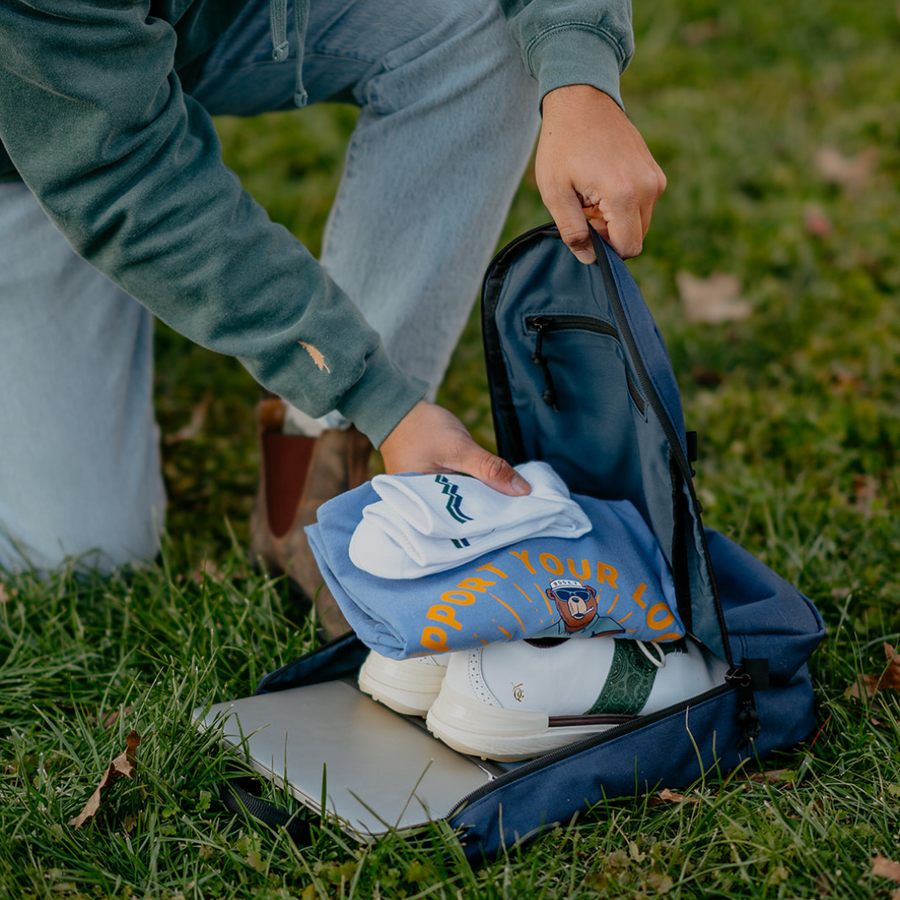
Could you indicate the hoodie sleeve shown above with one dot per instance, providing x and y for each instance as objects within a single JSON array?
[
  {"x": 130, "y": 170},
  {"x": 567, "y": 42}
]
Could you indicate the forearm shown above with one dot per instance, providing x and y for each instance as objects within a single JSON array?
[{"x": 130, "y": 170}]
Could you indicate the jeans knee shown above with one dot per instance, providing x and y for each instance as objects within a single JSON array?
[{"x": 96, "y": 543}]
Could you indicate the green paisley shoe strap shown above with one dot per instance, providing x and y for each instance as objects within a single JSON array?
[{"x": 628, "y": 684}]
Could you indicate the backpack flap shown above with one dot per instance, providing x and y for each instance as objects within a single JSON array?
[{"x": 580, "y": 378}]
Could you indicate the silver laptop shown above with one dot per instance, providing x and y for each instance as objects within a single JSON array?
[{"x": 381, "y": 770}]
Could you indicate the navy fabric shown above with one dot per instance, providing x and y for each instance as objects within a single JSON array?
[
  {"x": 673, "y": 751},
  {"x": 594, "y": 407},
  {"x": 340, "y": 658},
  {"x": 767, "y": 618},
  {"x": 649, "y": 341}
]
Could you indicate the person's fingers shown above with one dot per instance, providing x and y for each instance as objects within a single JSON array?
[
  {"x": 567, "y": 211},
  {"x": 620, "y": 212},
  {"x": 654, "y": 188},
  {"x": 492, "y": 470},
  {"x": 593, "y": 169},
  {"x": 429, "y": 438},
  {"x": 628, "y": 209},
  {"x": 598, "y": 223},
  {"x": 624, "y": 227}
]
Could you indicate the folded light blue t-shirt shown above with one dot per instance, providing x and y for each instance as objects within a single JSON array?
[{"x": 612, "y": 580}]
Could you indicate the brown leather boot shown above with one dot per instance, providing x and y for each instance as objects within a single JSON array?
[{"x": 296, "y": 476}]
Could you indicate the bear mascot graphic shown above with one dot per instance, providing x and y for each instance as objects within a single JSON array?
[{"x": 577, "y": 607}]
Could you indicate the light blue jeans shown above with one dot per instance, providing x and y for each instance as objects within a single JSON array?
[{"x": 448, "y": 119}]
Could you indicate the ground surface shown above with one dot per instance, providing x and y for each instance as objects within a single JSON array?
[{"x": 778, "y": 126}]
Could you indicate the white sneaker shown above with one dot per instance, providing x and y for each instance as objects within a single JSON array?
[
  {"x": 407, "y": 686},
  {"x": 516, "y": 700}
]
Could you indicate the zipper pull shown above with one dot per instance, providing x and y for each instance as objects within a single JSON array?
[
  {"x": 748, "y": 717},
  {"x": 541, "y": 325}
]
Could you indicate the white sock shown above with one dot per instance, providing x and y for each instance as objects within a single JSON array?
[
  {"x": 298, "y": 422},
  {"x": 431, "y": 523}
]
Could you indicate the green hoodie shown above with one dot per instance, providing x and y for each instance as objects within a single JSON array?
[{"x": 97, "y": 119}]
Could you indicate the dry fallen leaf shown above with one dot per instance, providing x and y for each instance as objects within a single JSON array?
[
  {"x": 706, "y": 377},
  {"x": 889, "y": 678},
  {"x": 113, "y": 717},
  {"x": 660, "y": 882},
  {"x": 192, "y": 429},
  {"x": 886, "y": 868},
  {"x": 207, "y": 569},
  {"x": 849, "y": 172},
  {"x": 713, "y": 300},
  {"x": 772, "y": 776},
  {"x": 825, "y": 883},
  {"x": 124, "y": 764},
  {"x": 844, "y": 382},
  {"x": 667, "y": 796},
  {"x": 700, "y": 32},
  {"x": 816, "y": 221},
  {"x": 865, "y": 493}
]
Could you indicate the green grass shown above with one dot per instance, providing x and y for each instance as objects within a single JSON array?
[{"x": 798, "y": 410}]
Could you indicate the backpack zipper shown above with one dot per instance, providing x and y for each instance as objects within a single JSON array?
[
  {"x": 555, "y": 756},
  {"x": 545, "y": 324},
  {"x": 541, "y": 324},
  {"x": 612, "y": 292}
]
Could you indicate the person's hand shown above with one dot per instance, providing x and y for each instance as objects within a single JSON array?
[
  {"x": 429, "y": 439},
  {"x": 592, "y": 162}
]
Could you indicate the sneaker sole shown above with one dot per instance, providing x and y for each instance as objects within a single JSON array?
[
  {"x": 404, "y": 686},
  {"x": 504, "y": 735}
]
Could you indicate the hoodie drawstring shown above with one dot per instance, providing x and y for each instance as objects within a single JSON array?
[{"x": 280, "y": 45}]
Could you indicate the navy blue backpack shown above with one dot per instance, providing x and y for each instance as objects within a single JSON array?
[{"x": 580, "y": 377}]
